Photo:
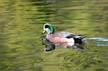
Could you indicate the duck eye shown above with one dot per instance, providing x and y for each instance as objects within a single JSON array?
[{"x": 46, "y": 26}]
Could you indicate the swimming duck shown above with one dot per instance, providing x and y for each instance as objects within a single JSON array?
[{"x": 64, "y": 39}]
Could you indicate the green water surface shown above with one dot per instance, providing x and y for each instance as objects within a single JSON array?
[{"x": 21, "y": 27}]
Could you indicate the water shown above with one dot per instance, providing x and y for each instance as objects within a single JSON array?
[
  {"x": 97, "y": 39},
  {"x": 21, "y": 26}
]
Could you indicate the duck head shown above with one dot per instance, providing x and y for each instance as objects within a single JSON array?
[{"x": 48, "y": 28}]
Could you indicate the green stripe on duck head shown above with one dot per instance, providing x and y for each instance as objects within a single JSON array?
[{"x": 48, "y": 28}]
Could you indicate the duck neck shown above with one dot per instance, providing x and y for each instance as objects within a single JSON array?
[{"x": 51, "y": 30}]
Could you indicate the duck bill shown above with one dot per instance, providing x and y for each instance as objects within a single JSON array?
[{"x": 43, "y": 32}]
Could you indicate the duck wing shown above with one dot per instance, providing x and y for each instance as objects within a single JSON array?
[
  {"x": 57, "y": 37},
  {"x": 59, "y": 34},
  {"x": 62, "y": 35},
  {"x": 68, "y": 35},
  {"x": 75, "y": 36}
]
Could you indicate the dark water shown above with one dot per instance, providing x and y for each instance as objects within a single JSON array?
[{"x": 21, "y": 26}]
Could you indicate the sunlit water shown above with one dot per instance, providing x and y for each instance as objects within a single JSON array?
[{"x": 99, "y": 41}]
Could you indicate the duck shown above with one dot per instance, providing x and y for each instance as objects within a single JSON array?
[{"x": 63, "y": 39}]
